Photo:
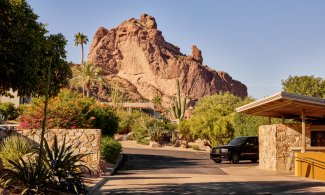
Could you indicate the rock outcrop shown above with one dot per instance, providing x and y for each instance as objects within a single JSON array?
[{"x": 137, "y": 52}]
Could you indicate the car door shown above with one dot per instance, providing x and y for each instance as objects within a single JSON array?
[
  {"x": 255, "y": 148},
  {"x": 248, "y": 151}
]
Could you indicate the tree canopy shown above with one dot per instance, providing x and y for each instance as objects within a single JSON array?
[
  {"x": 305, "y": 85},
  {"x": 26, "y": 52},
  {"x": 86, "y": 76},
  {"x": 215, "y": 119}
]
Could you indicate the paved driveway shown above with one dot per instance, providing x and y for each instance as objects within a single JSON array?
[{"x": 149, "y": 171}]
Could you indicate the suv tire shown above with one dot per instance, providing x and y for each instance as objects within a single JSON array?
[{"x": 235, "y": 158}]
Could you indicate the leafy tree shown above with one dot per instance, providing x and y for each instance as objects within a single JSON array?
[
  {"x": 213, "y": 118},
  {"x": 247, "y": 125},
  {"x": 26, "y": 52},
  {"x": 54, "y": 56},
  {"x": 81, "y": 39},
  {"x": 86, "y": 76},
  {"x": 305, "y": 85}
]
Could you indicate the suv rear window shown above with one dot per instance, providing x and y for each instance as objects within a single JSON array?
[{"x": 237, "y": 141}]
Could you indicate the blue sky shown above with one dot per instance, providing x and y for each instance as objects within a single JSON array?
[{"x": 257, "y": 42}]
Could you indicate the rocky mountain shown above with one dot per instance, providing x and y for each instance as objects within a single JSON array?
[{"x": 135, "y": 53}]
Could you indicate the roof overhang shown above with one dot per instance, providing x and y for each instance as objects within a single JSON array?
[{"x": 286, "y": 105}]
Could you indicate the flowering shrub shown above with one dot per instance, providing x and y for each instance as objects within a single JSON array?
[{"x": 68, "y": 110}]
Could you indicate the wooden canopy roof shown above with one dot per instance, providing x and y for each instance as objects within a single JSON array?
[{"x": 286, "y": 105}]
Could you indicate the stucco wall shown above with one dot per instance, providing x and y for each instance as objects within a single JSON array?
[
  {"x": 88, "y": 140},
  {"x": 275, "y": 142}
]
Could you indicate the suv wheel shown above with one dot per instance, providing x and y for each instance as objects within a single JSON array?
[
  {"x": 234, "y": 159},
  {"x": 218, "y": 161},
  {"x": 254, "y": 160}
]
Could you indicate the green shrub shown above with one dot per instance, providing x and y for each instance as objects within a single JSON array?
[
  {"x": 147, "y": 126},
  {"x": 195, "y": 147},
  {"x": 13, "y": 148},
  {"x": 142, "y": 140},
  {"x": 8, "y": 111},
  {"x": 127, "y": 120},
  {"x": 110, "y": 149},
  {"x": 155, "y": 132},
  {"x": 105, "y": 119}
]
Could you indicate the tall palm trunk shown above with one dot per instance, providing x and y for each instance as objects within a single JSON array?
[
  {"x": 82, "y": 53},
  {"x": 88, "y": 89}
]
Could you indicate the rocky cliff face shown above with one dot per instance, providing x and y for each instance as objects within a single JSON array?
[{"x": 137, "y": 52}]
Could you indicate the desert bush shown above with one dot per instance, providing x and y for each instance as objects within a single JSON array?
[
  {"x": 184, "y": 130},
  {"x": 105, "y": 119},
  {"x": 13, "y": 148},
  {"x": 8, "y": 111},
  {"x": 110, "y": 149},
  {"x": 195, "y": 147},
  {"x": 127, "y": 120},
  {"x": 155, "y": 133},
  {"x": 147, "y": 126},
  {"x": 143, "y": 140}
]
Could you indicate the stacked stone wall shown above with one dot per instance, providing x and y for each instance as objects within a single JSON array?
[
  {"x": 267, "y": 147},
  {"x": 275, "y": 142},
  {"x": 83, "y": 141}
]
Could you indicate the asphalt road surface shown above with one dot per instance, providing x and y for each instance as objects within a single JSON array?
[
  {"x": 156, "y": 171},
  {"x": 173, "y": 162}
]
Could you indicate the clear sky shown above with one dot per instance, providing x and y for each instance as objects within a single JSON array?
[{"x": 257, "y": 42}]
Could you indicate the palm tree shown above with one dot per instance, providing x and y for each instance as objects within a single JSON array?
[
  {"x": 80, "y": 39},
  {"x": 87, "y": 75}
]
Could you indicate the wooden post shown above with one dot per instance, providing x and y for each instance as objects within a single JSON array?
[
  {"x": 270, "y": 120},
  {"x": 303, "y": 131},
  {"x": 283, "y": 119}
]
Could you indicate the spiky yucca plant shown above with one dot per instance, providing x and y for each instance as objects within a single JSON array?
[
  {"x": 65, "y": 167},
  {"x": 58, "y": 170},
  {"x": 26, "y": 177}
]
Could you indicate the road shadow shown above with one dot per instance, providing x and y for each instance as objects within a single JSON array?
[
  {"x": 254, "y": 187},
  {"x": 149, "y": 162}
]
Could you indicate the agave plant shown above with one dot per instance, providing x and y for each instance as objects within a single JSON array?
[
  {"x": 58, "y": 170},
  {"x": 65, "y": 167},
  {"x": 26, "y": 177}
]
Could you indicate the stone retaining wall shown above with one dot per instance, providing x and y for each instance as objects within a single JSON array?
[
  {"x": 88, "y": 140},
  {"x": 275, "y": 142}
]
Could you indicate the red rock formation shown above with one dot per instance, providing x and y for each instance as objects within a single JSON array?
[{"x": 137, "y": 52}]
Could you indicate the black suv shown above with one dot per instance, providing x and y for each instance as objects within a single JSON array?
[{"x": 240, "y": 148}]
